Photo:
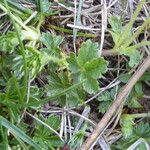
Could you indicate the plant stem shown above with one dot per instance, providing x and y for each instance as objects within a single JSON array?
[
  {"x": 147, "y": 22},
  {"x": 88, "y": 35},
  {"x": 141, "y": 115},
  {"x": 143, "y": 43},
  {"x": 6, "y": 10}
]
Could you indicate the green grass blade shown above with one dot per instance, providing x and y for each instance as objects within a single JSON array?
[
  {"x": 138, "y": 32},
  {"x": 15, "y": 5},
  {"x": 130, "y": 24},
  {"x": 138, "y": 45},
  {"x": 69, "y": 31},
  {"x": 17, "y": 132}
]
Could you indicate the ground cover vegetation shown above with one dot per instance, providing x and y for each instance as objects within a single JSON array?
[{"x": 74, "y": 75}]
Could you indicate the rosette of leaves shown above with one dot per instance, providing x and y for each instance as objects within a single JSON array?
[{"x": 87, "y": 66}]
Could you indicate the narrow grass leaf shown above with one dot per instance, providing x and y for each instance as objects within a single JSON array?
[{"x": 15, "y": 130}]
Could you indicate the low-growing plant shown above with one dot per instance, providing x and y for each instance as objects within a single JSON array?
[
  {"x": 124, "y": 37},
  {"x": 27, "y": 53},
  {"x": 141, "y": 131}
]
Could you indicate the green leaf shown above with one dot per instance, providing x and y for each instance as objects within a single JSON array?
[
  {"x": 105, "y": 100},
  {"x": 45, "y": 8},
  {"x": 55, "y": 84},
  {"x": 95, "y": 68},
  {"x": 121, "y": 34},
  {"x": 8, "y": 42},
  {"x": 87, "y": 66},
  {"x": 36, "y": 61},
  {"x": 54, "y": 122},
  {"x": 43, "y": 136},
  {"x": 90, "y": 85},
  {"x": 105, "y": 96},
  {"x": 142, "y": 146},
  {"x": 17, "y": 132},
  {"x": 145, "y": 77},
  {"x": 115, "y": 36},
  {"x": 135, "y": 94},
  {"x": 125, "y": 77},
  {"x": 55, "y": 141},
  {"x": 43, "y": 132},
  {"x": 52, "y": 43},
  {"x": 133, "y": 102},
  {"x": 118, "y": 31},
  {"x": 116, "y": 24},
  {"x": 87, "y": 52},
  {"x": 33, "y": 64},
  {"x": 35, "y": 95},
  {"x": 140, "y": 131},
  {"x": 139, "y": 89},
  {"x": 133, "y": 54},
  {"x": 127, "y": 123},
  {"x": 75, "y": 97},
  {"x": 77, "y": 139},
  {"x": 103, "y": 106},
  {"x": 45, "y": 5},
  {"x": 73, "y": 64}
]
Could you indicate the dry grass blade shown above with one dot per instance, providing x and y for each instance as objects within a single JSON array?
[
  {"x": 103, "y": 144},
  {"x": 104, "y": 25},
  {"x": 138, "y": 142},
  {"x": 85, "y": 113}
]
